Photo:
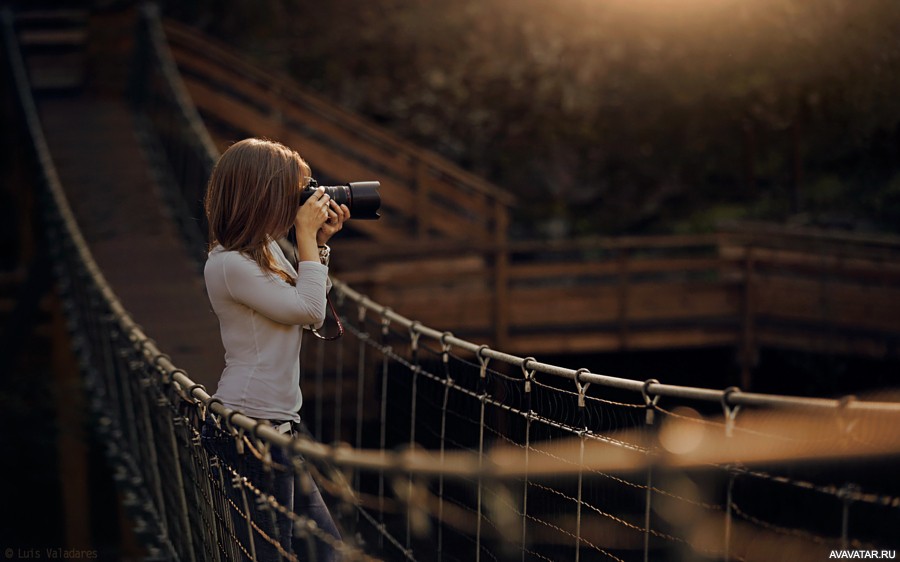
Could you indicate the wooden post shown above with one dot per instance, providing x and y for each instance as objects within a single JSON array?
[
  {"x": 421, "y": 189},
  {"x": 501, "y": 275},
  {"x": 747, "y": 353},
  {"x": 623, "y": 299}
]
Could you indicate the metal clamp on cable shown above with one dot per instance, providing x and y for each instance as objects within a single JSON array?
[
  {"x": 482, "y": 372},
  {"x": 529, "y": 374},
  {"x": 206, "y": 410},
  {"x": 650, "y": 403},
  {"x": 582, "y": 388},
  {"x": 445, "y": 347},
  {"x": 414, "y": 335},
  {"x": 385, "y": 321},
  {"x": 730, "y": 410}
]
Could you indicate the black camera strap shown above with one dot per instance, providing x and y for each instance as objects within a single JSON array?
[
  {"x": 337, "y": 320},
  {"x": 288, "y": 246}
]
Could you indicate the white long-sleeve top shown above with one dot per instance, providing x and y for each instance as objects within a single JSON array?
[{"x": 261, "y": 319}]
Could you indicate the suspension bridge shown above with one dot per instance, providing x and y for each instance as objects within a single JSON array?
[{"x": 435, "y": 431}]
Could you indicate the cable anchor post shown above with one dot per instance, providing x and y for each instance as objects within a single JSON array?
[
  {"x": 160, "y": 370},
  {"x": 189, "y": 392},
  {"x": 482, "y": 371},
  {"x": 730, "y": 410},
  {"x": 445, "y": 347},
  {"x": 385, "y": 330},
  {"x": 649, "y": 402},
  {"x": 445, "y": 358},
  {"x": 203, "y": 407},
  {"x": 582, "y": 389},
  {"x": 236, "y": 432},
  {"x": 385, "y": 321},
  {"x": 414, "y": 336},
  {"x": 212, "y": 415},
  {"x": 528, "y": 374},
  {"x": 189, "y": 397}
]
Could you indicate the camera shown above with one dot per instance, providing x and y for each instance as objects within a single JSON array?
[{"x": 361, "y": 197}]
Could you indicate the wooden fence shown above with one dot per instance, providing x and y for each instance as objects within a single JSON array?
[{"x": 742, "y": 287}]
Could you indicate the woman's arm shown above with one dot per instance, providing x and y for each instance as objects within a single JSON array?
[{"x": 272, "y": 297}]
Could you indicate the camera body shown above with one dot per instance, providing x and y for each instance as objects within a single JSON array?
[{"x": 361, "y": 197}]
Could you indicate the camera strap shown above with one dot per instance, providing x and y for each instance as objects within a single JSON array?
[{"x": 337, "y": 320}]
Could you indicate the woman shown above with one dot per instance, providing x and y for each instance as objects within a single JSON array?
[{"x": 262, "y": 301}]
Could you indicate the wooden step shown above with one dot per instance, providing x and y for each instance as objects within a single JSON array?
[
  {"x": 57, "y": 71},
  {"x": 54, "y": 44},
  {"x": 50, "y": 17},
  {"x": 76, "y": 37}
]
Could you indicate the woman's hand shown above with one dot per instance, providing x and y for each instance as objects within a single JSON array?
[
  {"x": 310, "y": 218},
  {"x": 337, "y": 215},
  {"x": 312, "y": 214}
]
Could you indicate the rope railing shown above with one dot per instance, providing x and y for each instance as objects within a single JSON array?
[
  {"x": 173, "y": 134},
  {"x": 488, "y": 455},
  {"x": 82, "y": 286},
  {"x": 573, "y": 439},
  {"x": 651, "y": 388}
]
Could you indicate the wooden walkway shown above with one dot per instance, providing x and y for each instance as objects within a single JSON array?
[{"x": 134, "y": 240}]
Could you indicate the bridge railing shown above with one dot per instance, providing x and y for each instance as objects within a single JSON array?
[
  {"x": 174, "y": 136},
  {"x": 103, "y": 335},
  {"x": 732, "y": 288}
]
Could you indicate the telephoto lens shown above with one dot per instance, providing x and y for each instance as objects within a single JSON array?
[{"x": 361, "y": 197}]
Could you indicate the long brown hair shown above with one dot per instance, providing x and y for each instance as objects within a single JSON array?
[{"x": 252, "y": 197}]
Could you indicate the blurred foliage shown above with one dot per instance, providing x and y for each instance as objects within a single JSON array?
[{"x": 615, "y": 116}]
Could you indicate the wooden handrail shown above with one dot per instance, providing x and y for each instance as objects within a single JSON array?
[
  {"x": 642, "y": 292},
  {"x": 435, "y": 196}
]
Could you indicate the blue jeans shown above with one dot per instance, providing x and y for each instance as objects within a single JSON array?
[{"x": 281, "y": 483}]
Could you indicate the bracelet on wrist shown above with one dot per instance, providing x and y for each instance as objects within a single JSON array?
[{"x": 324, "y": 254}]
